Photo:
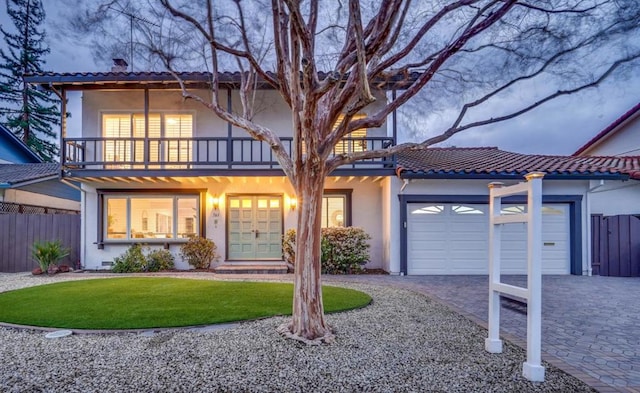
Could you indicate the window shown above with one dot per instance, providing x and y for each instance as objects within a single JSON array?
[
  {"x": 336, "y": 208},
  {"x": 429, "y": 209},
  {"x": 150, "y": 216},
  {"x": 466, "y": 209},
  {"x": 169, "y": 139},
  {"x": 355, "y": 141}
]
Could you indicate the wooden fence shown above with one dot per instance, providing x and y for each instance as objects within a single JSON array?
[
  {"x": 18, "y": 232},
  {"x": 615, "y": 245}
]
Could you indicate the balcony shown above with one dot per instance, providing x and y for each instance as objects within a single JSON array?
[{"x": 200, "y": 156}]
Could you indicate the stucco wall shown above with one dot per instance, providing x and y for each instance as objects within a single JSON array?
[
  {"x": 366, "y": 212},
  {"x": 624, "y": 142},
  {"x": 611, "y": 198},
  {"x": 30, "y": 198},
  {"x": 269, "y": 110}
]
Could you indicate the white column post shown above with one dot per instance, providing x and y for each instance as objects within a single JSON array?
[
  {"x": 532, "y": 369},
  {"x": 493, "y": 343}
]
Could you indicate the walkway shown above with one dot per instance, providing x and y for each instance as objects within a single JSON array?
[{"x": 590, "y": 323}]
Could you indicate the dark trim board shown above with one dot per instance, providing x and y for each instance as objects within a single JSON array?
[
  {"x": 79, "y": 174},
  {"x": 575, "y": 220},
  {"x": 511, "y": 176}
]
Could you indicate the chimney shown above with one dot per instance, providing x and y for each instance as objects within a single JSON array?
[{"x": 119, "y": 65}]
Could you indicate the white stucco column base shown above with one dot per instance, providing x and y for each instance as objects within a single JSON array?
[
  {"x": 493, "y": 346},
  {"x": 533, "y": 372}
]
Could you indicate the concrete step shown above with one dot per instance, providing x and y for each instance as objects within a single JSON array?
[{"x": 279, "y": 268}]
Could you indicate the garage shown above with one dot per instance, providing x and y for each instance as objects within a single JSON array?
[{"x": 453, "y": 238}]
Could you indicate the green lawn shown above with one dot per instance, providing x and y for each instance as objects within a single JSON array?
[{"x": 149, "y": 302}]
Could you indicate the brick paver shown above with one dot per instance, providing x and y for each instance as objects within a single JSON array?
[{"x": 590, "y": 326}]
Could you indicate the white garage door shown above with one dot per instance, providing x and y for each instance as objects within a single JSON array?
[{"x": 450, "y": 238}]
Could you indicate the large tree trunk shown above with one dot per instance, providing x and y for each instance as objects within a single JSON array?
[{"x": 308, "y": 323}]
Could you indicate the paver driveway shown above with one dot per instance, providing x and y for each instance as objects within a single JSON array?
[{"x": 590, "y": 323}]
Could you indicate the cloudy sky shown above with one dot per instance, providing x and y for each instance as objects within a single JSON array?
[{"x": 558, "y": 127}]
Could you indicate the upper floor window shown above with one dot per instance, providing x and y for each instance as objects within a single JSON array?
[
  {"x": 168, "y": 139},
  {"x": 355, "y": 141}
]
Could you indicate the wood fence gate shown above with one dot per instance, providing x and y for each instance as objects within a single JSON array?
[
  {"x": 18, "y": 232},
  {"x": 615, "y": 245}
]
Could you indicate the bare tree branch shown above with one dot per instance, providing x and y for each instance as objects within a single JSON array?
[{"x": 344, "y": 159}]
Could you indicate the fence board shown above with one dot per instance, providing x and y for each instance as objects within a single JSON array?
[
  {"x": 634, "y": 236},
  {"x": 19, "y": 231},
  {"x": 624, "y": 226},
  {"x": 616, "y": 245},
  {"x": 596, "y": 244}
]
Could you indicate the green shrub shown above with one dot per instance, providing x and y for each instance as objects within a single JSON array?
[
  {"x": 199, "y": 252},
  {"x": 132, "y": 261},
  {"x": 48, "y": 253},
  {"x": 289, "y": 246},
  {"x": 158, "y": 260},
  {"x": 343, "y": 249}
]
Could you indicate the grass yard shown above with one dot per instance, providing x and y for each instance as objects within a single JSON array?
[{"x": 148, "y": 302}]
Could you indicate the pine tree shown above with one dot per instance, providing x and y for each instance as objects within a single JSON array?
[{"x": 29, "y": 113}]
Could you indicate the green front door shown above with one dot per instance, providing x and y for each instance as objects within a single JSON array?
[{"x": 255, "y": 227}]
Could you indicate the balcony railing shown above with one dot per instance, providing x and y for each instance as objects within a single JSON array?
[{"x": 198, "y": 153}]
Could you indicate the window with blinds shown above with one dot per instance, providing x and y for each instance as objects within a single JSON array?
[
  {"x": 354, "y": 142},
  {"x": 169, "y": 139},
  {"x": 177, "y": 128}
]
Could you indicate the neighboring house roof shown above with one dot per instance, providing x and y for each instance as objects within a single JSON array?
[
  {"x": 12, "y": 149},
  {"x": 611, "y": 129},
  {"x": 489, "y": 162},
  {"x": 148, "y": 79},
  {"x": 13, "y": 175}
]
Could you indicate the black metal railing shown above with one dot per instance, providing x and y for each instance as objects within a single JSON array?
[{"x": 198, "y": 152}]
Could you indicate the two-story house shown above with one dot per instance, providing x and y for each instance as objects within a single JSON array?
[{"x": 157, "y": 169}]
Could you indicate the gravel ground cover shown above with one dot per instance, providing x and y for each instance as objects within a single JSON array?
[{"x": 403, "y": 342}]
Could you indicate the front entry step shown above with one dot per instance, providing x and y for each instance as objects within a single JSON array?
[{"x": 279, "y": 268}]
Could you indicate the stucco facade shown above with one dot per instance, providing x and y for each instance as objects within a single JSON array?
[{"x": 368, "y": 195}]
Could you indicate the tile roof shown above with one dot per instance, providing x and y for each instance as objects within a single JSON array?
[
  {"x": 492, "y": 162},
  {"x": 124, "y": 79},
  {"x": 13, "y": 174},
  {"x": 610, "y": 128}
]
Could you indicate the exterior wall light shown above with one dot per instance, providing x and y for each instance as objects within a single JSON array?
[
  {"x": 293, "y": 203},
  {"x": 214, "y": 201}
]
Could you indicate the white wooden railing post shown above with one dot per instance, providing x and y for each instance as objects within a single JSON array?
[
  {"x": 532, "y": 294},
  {"x": 532, "y": 368},
  {"x": 493, "y": 343}
]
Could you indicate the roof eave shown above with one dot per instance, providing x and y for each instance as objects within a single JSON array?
[
  {"x": 23, "y": 183},
  {"x": 609, "y": 130},
  {"x": 165, "y": 80},
  {"x": 20, "y": 144},
  {"x": 405, "y": 174}
]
